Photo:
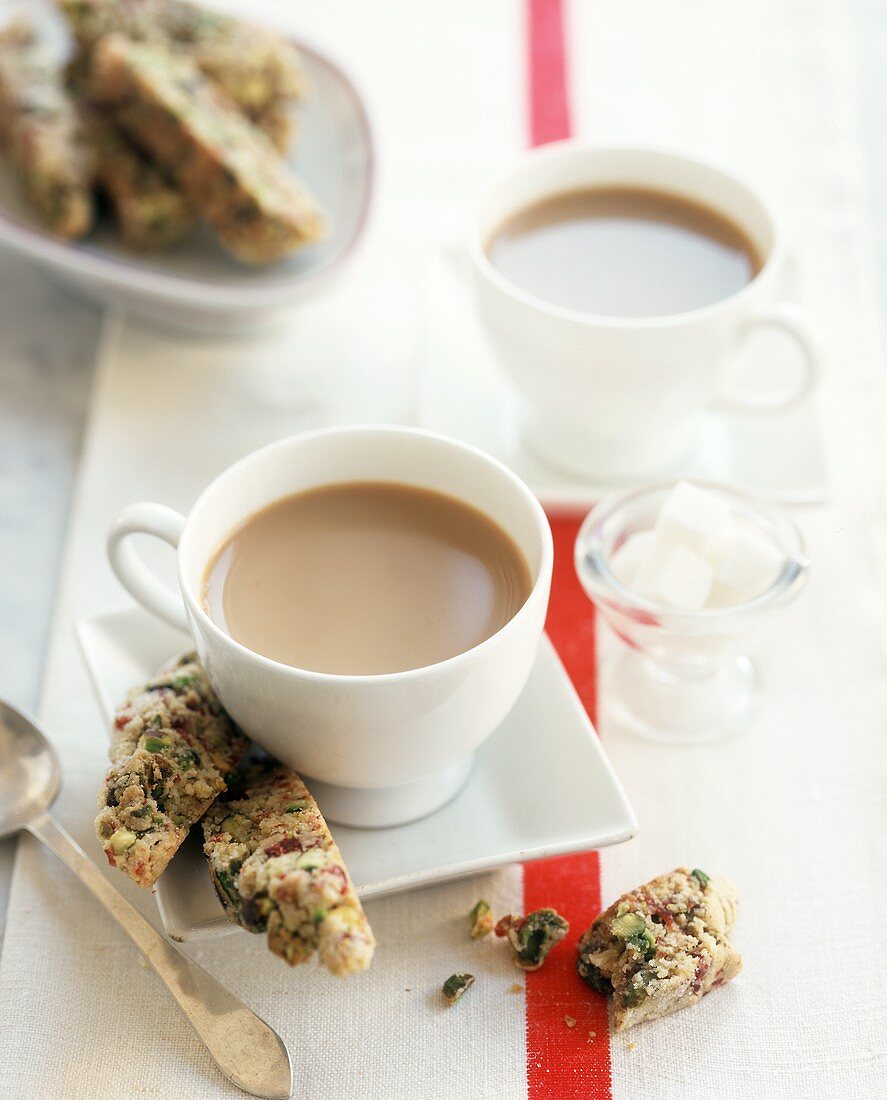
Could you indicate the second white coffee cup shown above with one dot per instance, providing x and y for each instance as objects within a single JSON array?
[{"x": 618, "y": 398}]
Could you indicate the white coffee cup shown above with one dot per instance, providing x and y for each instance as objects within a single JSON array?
[
  {"x": 377, "y": 750},
  {"x": 618, "y": 398}
]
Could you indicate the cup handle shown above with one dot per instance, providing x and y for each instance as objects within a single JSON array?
[
  {"x": 795, "y": 322},
  {"x": 138, "y": 580}
]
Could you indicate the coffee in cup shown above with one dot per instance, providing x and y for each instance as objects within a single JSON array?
[
  {"x": 623, "y": 251},
  {"x": 365, "y": 577}
]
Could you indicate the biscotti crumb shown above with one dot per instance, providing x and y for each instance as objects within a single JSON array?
[
  {"x": 455, "y": 986},
  {"x": 533, "y": 936},
  {"x": 570, "y": 1021},
  {"x": 480, "y": 920}
]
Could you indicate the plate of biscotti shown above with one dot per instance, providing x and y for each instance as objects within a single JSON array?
[{"x": 191, "y": 166}]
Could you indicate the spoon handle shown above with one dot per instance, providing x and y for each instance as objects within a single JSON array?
[{"x": 246, "y": 1049}]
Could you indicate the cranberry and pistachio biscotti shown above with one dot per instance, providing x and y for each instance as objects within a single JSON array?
[
  {"x": 277, "y": 869},
  {"x": 151, "y": 212},
  {"x": 663, "y": 946},
  {"x": 172, "y": 748},
  {"x": 227, "y": 168},
  {"x": 256, "y": 67},
  {"x": 42, "y": 131}
]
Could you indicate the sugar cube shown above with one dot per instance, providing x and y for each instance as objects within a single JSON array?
[
  {"x": 749, "y": 565},
  {"x": 693, "y": 517},
  {"x": 631, "y": 555},
  {"x": 675, "y": 576},
  {"x": 719, "y": 545}
]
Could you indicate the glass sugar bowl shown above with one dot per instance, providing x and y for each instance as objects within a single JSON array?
[{"x": 684, "y": 676}]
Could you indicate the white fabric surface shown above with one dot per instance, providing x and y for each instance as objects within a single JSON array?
[{"x": 794, "y": 811}]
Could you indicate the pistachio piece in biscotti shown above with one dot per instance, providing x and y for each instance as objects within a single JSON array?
[
  {"x": 226, "y": 167},
  {"x": 480, "y": 920},
  {"x": 663, "y": 946},
  {"x": 172, "y": 748},
  {"x": 278, "y": 871}
]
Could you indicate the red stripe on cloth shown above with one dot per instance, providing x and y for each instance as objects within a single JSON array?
[
  {"x": 570, "y": 623},
  {"x": 549, "y": 102},
  {"x": 563, "y": 1062}
]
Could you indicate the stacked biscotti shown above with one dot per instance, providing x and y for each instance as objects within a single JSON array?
[{"x": 177, "y": 759}]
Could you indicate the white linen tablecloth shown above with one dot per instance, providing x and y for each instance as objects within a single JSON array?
[{"x": 794, "y": 811}]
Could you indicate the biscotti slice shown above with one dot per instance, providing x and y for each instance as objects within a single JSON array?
[
  {"x": 227, "y": 168},
  {"x": 260, "y": 71},
  {"x": 280, "y": 125},
  {"x": 172, "y": 749},
  {"x": 42, "y": 132},
  {"x": 663, "y": 946},
  {"x": 277, "y": 869},
  {"x": 152, "y": 213},
  {"x": 257, "y": 68}
]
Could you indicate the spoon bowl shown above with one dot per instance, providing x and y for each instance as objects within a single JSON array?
[{"x": 30, "y": 776}]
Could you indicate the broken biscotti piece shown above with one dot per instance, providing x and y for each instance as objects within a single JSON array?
[
  {"x": 533, "y": 936},
  {"x": 230, "y": 172},
  {"x": 151, "y": 212},
  {"x": 277, "y": 869},
  {"x": 662, "y": 946},
  {"x": 173, "y": 746},
  {"x": 42, "y": 131},
  {"x": 259, "y": 69}
]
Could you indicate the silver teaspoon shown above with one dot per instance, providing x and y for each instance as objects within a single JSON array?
[{"x": 246, "y": 1049}]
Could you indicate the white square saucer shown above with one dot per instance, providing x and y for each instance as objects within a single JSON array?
[{"x": 541, "y": 786}]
